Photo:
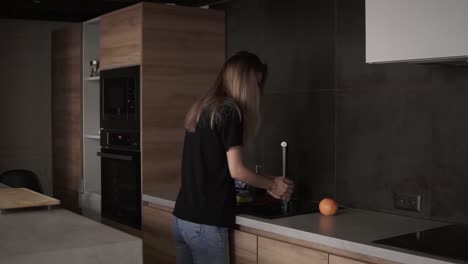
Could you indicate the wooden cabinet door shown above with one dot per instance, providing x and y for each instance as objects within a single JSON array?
[
  {"x": 120, "y": 38},
  {"x": 340, "y": 260},
  {"x": 158, "y": 243},
  {"x": 183, "y": 50},
  {"x": 243, "y": 248},
  {"x": 67, "y": 115},
  {"x": 276, "y": 252}
]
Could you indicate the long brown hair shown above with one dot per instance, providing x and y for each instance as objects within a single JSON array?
[{"x": 239, "y": 83}]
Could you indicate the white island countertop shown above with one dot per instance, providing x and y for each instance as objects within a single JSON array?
[
  {"x": 60, "y": 236},
  {"x": 352, "y": 230}
]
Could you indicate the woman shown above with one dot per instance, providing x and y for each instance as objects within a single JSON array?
[{"x": 217, "y": 126}]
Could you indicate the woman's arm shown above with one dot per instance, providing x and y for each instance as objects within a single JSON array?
[{"x": 278, "y": 186}]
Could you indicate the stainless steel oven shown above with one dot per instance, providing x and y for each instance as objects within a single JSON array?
[{"x": 121, "y": 177}]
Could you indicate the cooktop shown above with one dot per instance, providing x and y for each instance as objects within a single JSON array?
[{"x": 448, "y": 241}]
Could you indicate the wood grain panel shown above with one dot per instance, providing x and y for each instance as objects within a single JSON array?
[
  {"x": 183, "y": 49},
  {"x": 162, "y": 165},
  {"x": 158, "y": 243},
  {"x": 120, "y": 39},
  {"x": 340, "y": 260},
  {"x": 275, "y": 252},
  {"x": 69, "y": 199},
  {"x": 243, "y": 248},
  {"x": 322, "y": 248},
  {"x": 67, "y": 114}
]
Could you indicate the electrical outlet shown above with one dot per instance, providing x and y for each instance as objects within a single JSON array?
[{"x": 407, "y": 201}]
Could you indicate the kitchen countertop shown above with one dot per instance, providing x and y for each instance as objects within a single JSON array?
[
  {"x": 166, "y": 199},
  {"x": 352, "y": 230},
  {"x": 60, "y": 236}
]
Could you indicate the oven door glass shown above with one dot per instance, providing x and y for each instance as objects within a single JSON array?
[
  {"x": 121, "y": 195},
  {"x": 119, "y": 99}
]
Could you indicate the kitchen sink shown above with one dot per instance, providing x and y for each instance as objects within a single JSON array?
[{"x": 270, "y": 209}]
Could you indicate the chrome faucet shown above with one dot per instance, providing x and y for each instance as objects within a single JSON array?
[{"x": 284, "y": 146}]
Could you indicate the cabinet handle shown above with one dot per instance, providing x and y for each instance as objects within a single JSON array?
[{"x": 115, "y": 156}]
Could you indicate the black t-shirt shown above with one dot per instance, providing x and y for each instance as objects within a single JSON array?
[{"x": 207, "y": 194}]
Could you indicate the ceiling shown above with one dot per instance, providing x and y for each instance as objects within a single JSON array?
[{"x": 75, "y": 10}]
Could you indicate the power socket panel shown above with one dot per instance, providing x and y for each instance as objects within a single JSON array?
[{"x": 408, "y": 202}]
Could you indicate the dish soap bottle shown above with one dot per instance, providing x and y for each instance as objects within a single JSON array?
[{"x": 244, "y": 192}]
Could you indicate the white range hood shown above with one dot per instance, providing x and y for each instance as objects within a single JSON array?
[{"x": 416, "y": 31}]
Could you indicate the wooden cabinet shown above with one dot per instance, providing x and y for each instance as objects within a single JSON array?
[
  {"x": 182, "y": 51},
  {"x": 67, "y": 115},
  {"x": 248, "y": 246},
  {"x": 159, "y": 245},
  {"x": 341, "y": 260},
  {"x": 120, "y": 39},
  {"x": 158, "y": 242},
  {"x": 243, "y": 248},
  {"x": 275, "y": 252}
]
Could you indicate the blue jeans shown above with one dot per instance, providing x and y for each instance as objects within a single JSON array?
[{"x": 200, "y": 244}]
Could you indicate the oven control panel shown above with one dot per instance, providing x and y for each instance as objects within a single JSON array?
[{"x": 119, "y": 139}]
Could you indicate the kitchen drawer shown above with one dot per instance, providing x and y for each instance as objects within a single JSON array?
[
  {"x": 243, "y": 248},
  {"x": 340, "y": 260},
  {"x": 158, "y": 243},
  {"x": 275, "y": 252}
]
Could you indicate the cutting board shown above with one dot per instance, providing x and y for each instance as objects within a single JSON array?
[{"x": 14, "y": 198}]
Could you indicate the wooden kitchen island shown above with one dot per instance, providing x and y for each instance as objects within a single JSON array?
[{"x": 60, "y": 236}]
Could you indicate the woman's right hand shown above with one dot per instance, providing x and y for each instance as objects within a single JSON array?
[{"x": 282, "y": 188}]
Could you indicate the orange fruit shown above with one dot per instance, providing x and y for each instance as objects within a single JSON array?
[{"x": 328, "y": 206}]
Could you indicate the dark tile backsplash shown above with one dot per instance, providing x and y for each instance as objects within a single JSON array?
[
  {"x": 400, "y": 128},
  {"x": 356, "y": 131},
  {"x": 305, "y": 122},
  {"x": 296, "y": 40},
  {"x": 450, "y": 143}
]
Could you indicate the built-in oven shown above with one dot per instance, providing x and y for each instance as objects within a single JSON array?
[
  {"x": 120, "y": 98},
  {"x": 120, "y": 177}
]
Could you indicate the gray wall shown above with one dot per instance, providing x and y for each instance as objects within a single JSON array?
[
  {"x": 400, "y": 128},
  {"x": 358, "y": 132},
  {"x": 296, "y": 39},
  {"x": 25, "y": 108}
]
